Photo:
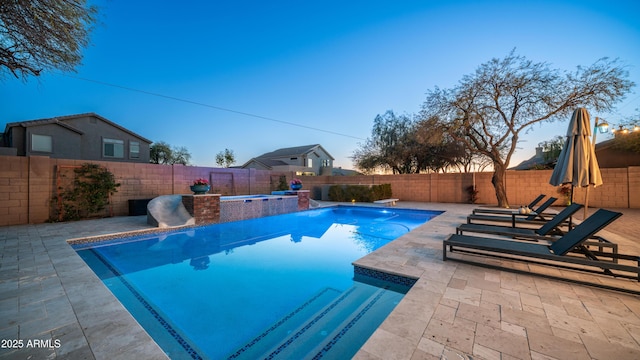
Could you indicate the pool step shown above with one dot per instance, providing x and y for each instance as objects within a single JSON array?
[
  {"x": 285, "y": 326},
  {"x": 331, "y": 331},
  {"x": 357, "y": 328}
]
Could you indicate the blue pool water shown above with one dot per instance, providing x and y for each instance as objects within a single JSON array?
[{"x": 275, "y": 287}]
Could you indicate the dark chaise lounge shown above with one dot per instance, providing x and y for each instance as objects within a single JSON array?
[
  {"x": 534, "y": 218},
  {"x": 507, "y": 211},
  {"x": 551, "y": 227},
  {"x": 550, "y": 231},
  {"x": 562, "y": 253}
]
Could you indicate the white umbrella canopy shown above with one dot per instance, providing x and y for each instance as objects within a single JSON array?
[{"x": 577, "y": 164}]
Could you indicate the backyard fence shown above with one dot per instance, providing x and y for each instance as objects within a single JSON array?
[{"x": 28, "y": 184}]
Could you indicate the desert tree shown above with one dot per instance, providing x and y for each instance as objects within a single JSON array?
[
  {"x": 160, "y": 153},
  {"x": 225, "y": 158},
  {"x": 39, "y": 35},
  {"x": 404, "y": 145},
  {"x": 629, "y": 140},
  {"x": 388, "y": 146},
  {"x": 437, "y": 151},
  {"x": 163, "y": 153},
  {"x": 551, "y": 149},
  {"x": 180, "y": 155},
  {"x": 488, "y": 110}
]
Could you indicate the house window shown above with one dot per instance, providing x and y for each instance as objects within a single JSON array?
[
  {"x": 309, "y": 163},
  {"x": 112, "y": 148},
  {"x": 41, "y": 143},
  {"x": 326, "y": 163},
  {"x": 134, "y": 149}
]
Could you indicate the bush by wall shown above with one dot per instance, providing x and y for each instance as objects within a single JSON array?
[
  {"x": 88, "y": 194},
  {"x": 359, "y": 193}
]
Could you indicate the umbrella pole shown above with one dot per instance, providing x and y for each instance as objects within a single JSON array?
[
  {"x": 571, "y": 197},
  {"x": 571, "y": 202},
  {"x": 586, "y": 202}
]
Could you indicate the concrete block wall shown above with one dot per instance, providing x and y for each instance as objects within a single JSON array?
[
  {"x": 522, "y": 187},
  {"x": 14, "y": 190},
  {"x": 27, "y": 185},
  {"x": 633, "y": 176}
]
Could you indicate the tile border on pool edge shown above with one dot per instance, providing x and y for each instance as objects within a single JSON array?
[
  {"x": 123, "y": 235},
  {"x": 384, "y": 276},
  {"x": 184, "y": 344}
]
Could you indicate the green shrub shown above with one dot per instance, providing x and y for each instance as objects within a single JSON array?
[
  {"x": 89, "y": 194},
  {"x": 282, "y": 183},
  {"x": 336, "y": 193},
  {"x": 359, "y": 193}
]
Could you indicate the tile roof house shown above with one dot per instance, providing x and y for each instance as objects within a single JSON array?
[
  {"x": 303, "y": 160},
  {"x": 83, "y": 137}
]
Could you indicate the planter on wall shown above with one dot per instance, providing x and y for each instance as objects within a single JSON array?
[{"x": 200, "y": 189}]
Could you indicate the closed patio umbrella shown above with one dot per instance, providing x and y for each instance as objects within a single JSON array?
[{"x": 577, "y": 164}]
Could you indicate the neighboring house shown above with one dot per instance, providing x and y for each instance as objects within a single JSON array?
[
  {"x": 303, "y": 160},
  {"x": 607, "y": 156},
  {"x": 537, "y": 161},
  {"x": 344, "y": 172},
  {"x": 83, "y": 137}
]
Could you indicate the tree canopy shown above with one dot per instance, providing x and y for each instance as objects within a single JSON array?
[
  {"x": 489, "y": 109},
  {"x": 402, "y": 145},
  {"x": 628, "y": 142},
  {"x": 38, "y": 35},
  {"x": 551, "y": 149},
  {"x": 225, "y": 158},
  {"x": 163, "y": 153}
]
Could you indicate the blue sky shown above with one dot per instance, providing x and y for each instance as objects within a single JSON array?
[{"x": 327, "y": 66}]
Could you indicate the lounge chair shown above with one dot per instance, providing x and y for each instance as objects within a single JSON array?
[
  {"x": 535, "y": 218},
  {"x": 550, "y": 231},
  {"x": 507, "y": 211},
  {"x": 551, "y": 227},
  {"x": 554, "y": 254}
]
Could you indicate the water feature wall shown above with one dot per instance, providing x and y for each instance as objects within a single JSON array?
[
  {"x": 239, "y": 208},
  {"x": 213, "y": 208}
]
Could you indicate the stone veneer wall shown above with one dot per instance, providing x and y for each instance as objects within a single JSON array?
[
  {"x": 210, "y": 209},
  {"x": 205, "y": 208},
  {"x": 303, "y": 199},
  {"x": 27, "y": 185},
  {"x": 241, "y": 209}
]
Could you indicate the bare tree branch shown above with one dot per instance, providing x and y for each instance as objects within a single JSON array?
[
  {"x": 489, "y": 109},
  {"x": 43, "y": 35}
]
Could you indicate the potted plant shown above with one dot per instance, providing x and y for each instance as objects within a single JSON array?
[
  {"x": 296, "y": 184},
  {"x": 565, "y": 190},
  {"x": 200, "y": 186}
]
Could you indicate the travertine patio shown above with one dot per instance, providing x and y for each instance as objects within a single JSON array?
[{"x": 454, "y": 310}]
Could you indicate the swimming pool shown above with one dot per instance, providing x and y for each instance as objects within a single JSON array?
[{"x": 275, "y": 287}]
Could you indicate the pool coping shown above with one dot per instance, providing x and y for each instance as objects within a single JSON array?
[{"x": 49, "y": 293}]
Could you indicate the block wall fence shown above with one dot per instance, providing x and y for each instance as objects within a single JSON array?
[{"x": 27, "y": 185}]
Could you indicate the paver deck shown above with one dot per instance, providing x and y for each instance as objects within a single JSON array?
[{"x": 455, "y": 310}]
